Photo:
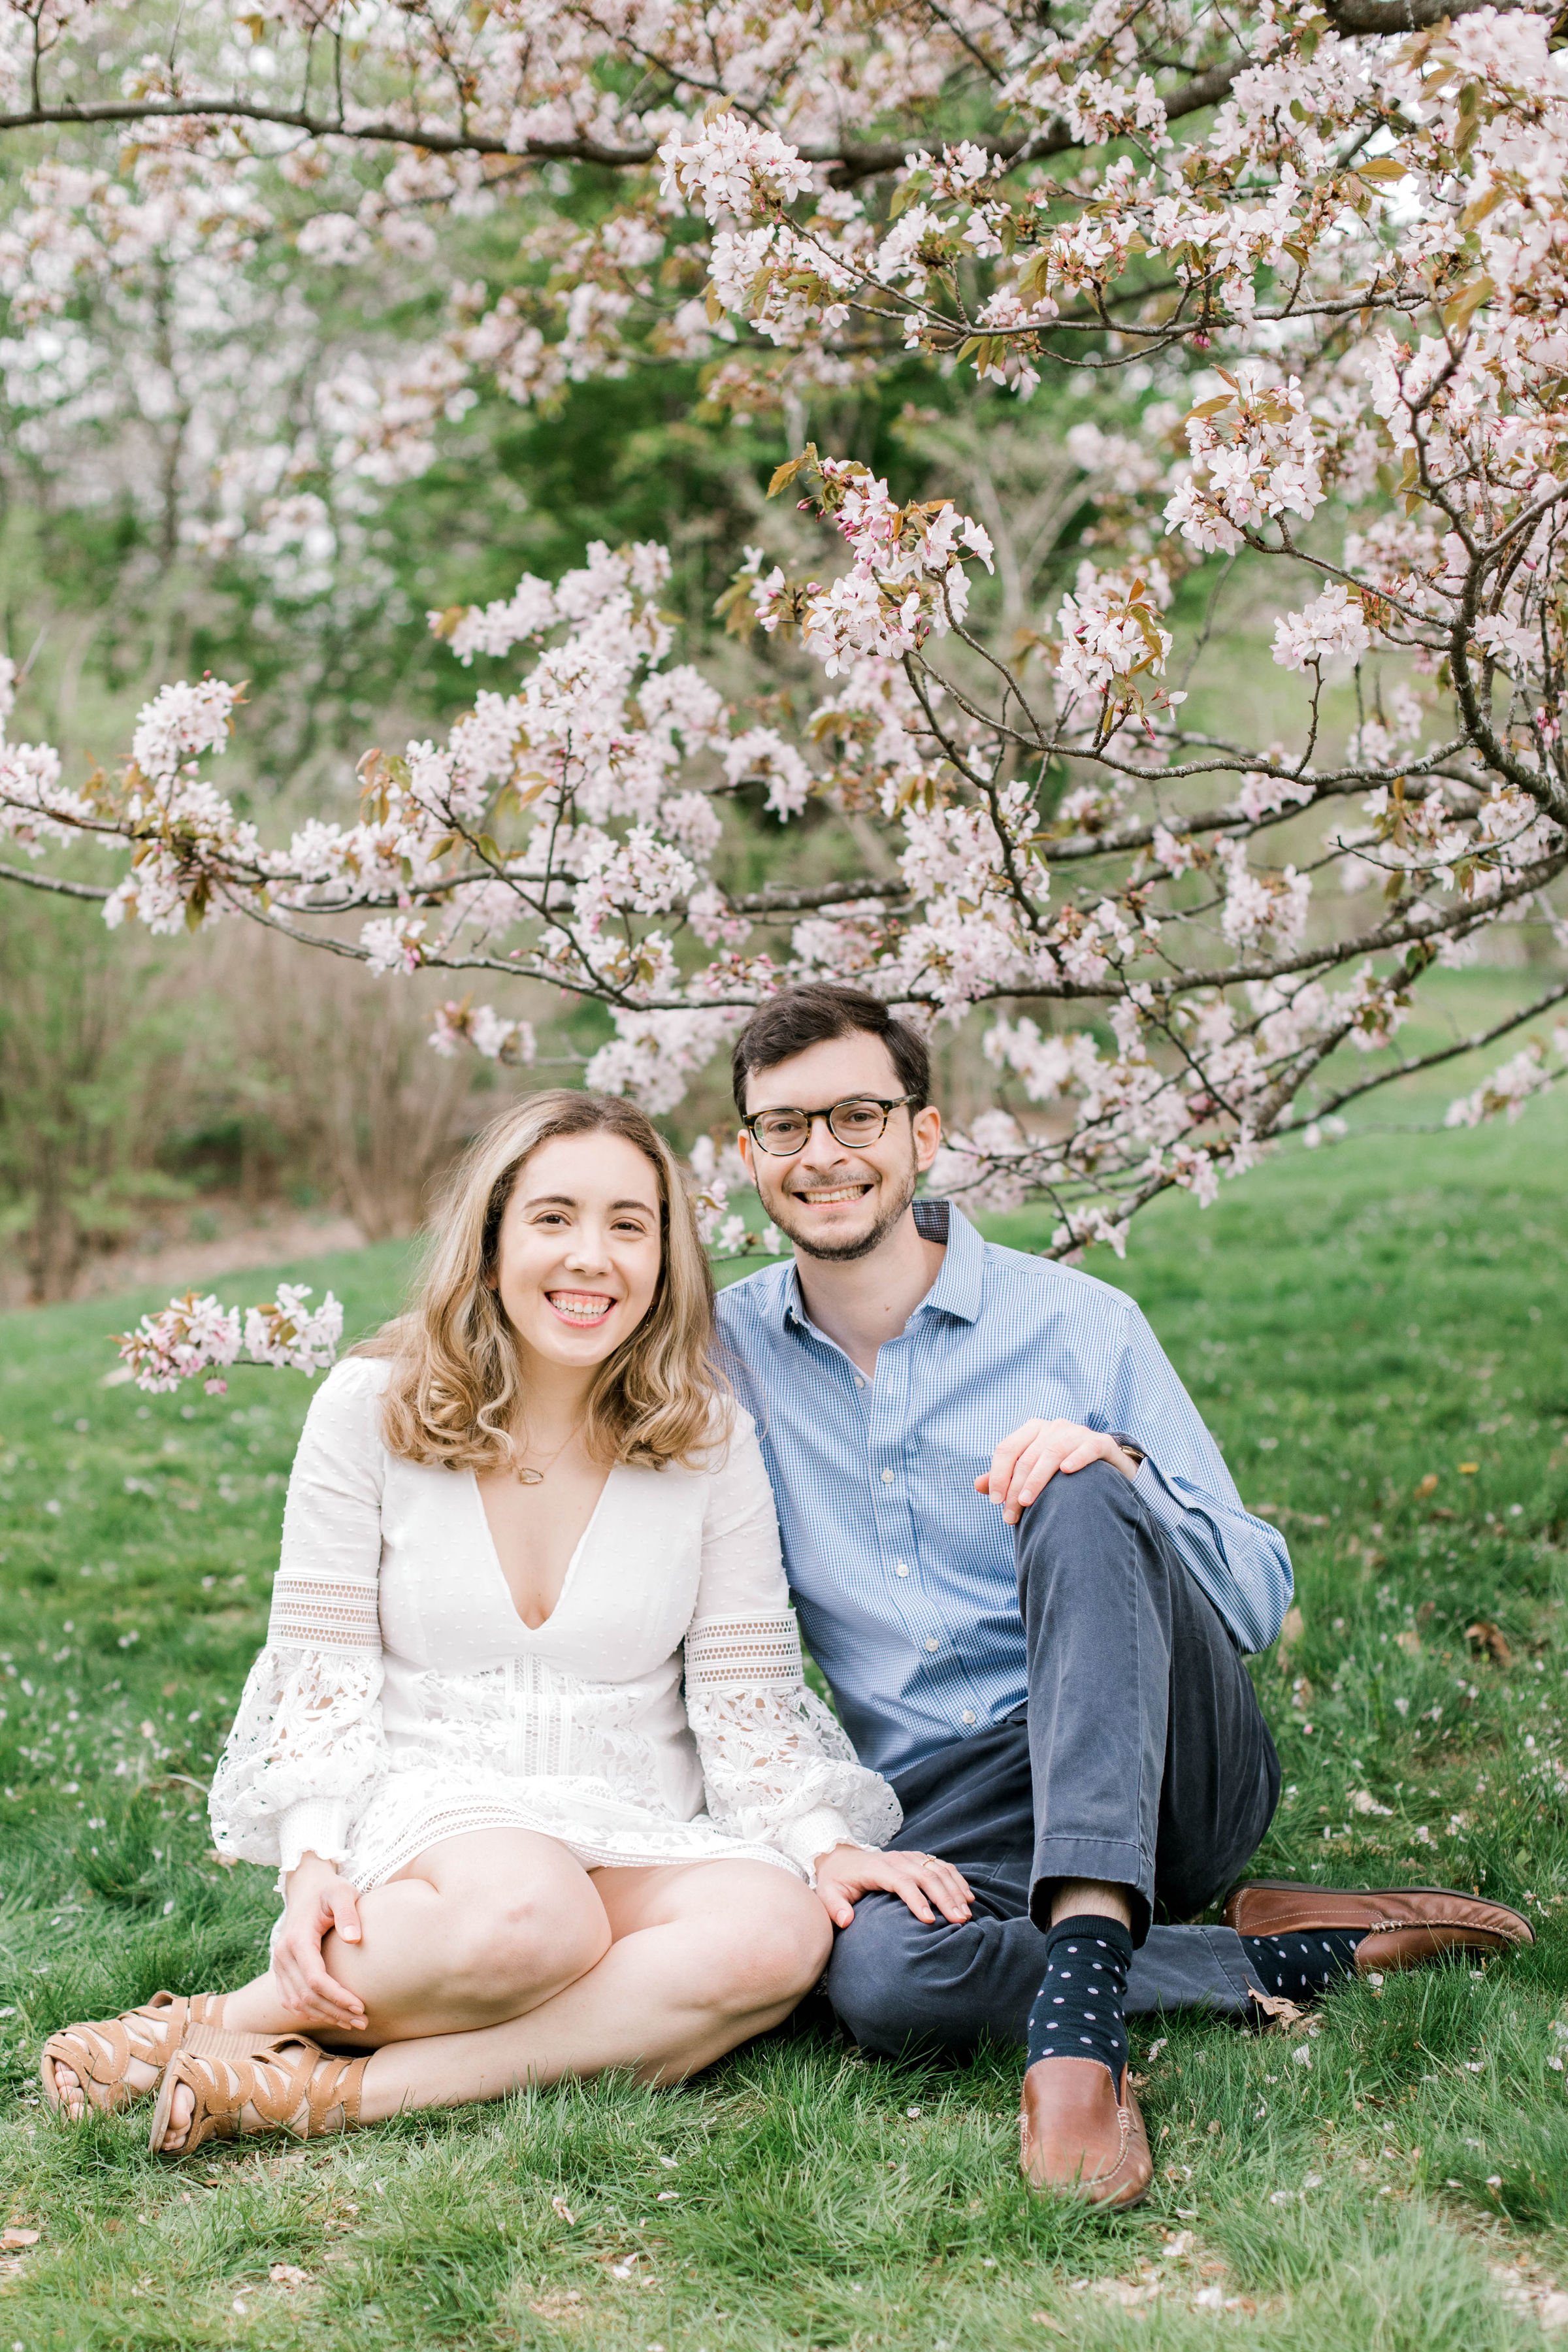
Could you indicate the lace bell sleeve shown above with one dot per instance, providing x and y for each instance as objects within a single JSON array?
[
  {"x": 307, "y": 1745},
  {"x": 778, "y": 1766}
]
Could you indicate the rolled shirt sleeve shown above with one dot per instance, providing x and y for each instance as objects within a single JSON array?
[{"x": 1238, "y": 1561}]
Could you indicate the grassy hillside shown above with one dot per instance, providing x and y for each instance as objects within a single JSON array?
[{"x": 1377, "y": 1335}]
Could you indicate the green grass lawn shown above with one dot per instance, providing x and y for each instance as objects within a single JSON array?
[{"x": 1357, "y": 1325}]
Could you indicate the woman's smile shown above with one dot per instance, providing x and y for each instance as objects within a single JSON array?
[{"x": 584, "y": 1308}]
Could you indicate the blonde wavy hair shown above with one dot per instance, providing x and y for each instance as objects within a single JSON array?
[{"x": 456, "y": 1385}]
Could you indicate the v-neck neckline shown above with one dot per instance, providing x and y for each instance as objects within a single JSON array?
[{"x": 532, "y": 1631}]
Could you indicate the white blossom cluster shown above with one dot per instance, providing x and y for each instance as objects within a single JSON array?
[{"x": 194, "y": 1339}]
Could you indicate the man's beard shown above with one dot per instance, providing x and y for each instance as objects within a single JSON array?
[{"x": 846, "y": 1253}]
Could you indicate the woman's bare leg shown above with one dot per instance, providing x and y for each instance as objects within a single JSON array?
[
  {"x": 705, "y": 1955},
  {"x": 474, "y": 1930}
]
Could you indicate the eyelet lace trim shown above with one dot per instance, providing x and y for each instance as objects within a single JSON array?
[
  {"x": 745, "y": 1652},
  {"x": 378, "y": 1858},
  {"x": 323, "y": 1613}
]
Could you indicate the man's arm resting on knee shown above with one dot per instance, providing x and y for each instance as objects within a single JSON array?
[{"x": 1237, "y": 1559}]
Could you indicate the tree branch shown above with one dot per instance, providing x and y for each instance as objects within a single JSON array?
[
  {"x": 433, "y": 140},
  {"x": 848, "y": 160},
  {"x": 53, "y": 882},
  {"x": 778, "y": 898},
  {"x": 1432, "y": 1060}
]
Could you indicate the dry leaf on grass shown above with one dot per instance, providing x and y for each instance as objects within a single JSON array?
[
  {"x": 1488, "y": 1641},
  {"x": 1123, "y": 2291},
  {"x": 1281, "y": 2014}
]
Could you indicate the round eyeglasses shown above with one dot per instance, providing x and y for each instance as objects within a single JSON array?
[{"x": 857, "y": 1120}]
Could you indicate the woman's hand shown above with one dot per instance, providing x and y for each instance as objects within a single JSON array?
[
  {"x": 318, "y": 1902},
  {"x": 918, "y": 1879}
]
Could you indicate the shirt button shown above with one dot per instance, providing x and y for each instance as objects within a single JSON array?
[
  {"x": 858, "y": 1381},
  {"x": 887, "y": 1477},
  {"x": 934, "y": 1644},
  {"x": 901, "y": 1567},
  {"x": 969, "y": 1715}
]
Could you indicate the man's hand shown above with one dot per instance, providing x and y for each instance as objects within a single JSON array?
[
  {"x": 317, "y": 1901},
  {"x": 918, "y": 1879},
  {"x": 1025, "y": 1464}
]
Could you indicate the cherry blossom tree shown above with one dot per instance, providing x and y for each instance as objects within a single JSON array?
[{"x": 1314, "y": 255}]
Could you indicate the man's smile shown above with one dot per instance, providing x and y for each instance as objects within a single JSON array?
[{"x": 818, "y": 1196}]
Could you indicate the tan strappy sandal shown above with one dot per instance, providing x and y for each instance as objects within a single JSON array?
[
  {"x": 241, "y": 2083},
  {"x": 101, "y": 2055}
]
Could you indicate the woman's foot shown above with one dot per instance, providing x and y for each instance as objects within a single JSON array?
[
  {"x": 284, "y": 2084},
  {"x": 108, "y": 2063}
]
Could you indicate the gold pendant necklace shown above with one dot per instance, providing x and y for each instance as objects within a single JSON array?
[{"x": 526, "y": 1476}]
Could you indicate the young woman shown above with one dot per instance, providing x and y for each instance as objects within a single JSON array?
[{"x": 528, "y": 1741}]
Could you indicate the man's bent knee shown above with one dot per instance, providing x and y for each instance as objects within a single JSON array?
[
  {"x": 1087, "y": 1494},
  {"x": 898, "y": 1986},
  {"x": 1075, "y": 1515}
]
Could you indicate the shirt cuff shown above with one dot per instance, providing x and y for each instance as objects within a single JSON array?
[
  {"x": 1153, "y": 1485},
  {"x": 316, "y": 1825},
  {"x": 816, "y": 1834}
]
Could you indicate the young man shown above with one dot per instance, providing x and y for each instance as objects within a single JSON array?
[{"x": 1022, "y": 1565}]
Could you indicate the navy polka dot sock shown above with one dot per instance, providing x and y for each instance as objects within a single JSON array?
[
  {"x": 1301, "y": 1967},
  {"x": 1078, "y": 2011}
]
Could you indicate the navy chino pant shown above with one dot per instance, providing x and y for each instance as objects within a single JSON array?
[{"x": 1141, "y": 1758}]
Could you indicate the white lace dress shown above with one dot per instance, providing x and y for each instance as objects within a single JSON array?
[{"x": 659, "y": 1714}]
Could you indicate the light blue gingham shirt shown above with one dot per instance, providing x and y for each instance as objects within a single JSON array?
[{"x": 904, "y": 1577}]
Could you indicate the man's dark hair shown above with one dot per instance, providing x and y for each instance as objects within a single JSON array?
[{"x": 798, "y": 1017}]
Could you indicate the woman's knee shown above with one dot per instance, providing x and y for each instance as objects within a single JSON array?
[
  {"x": 771, "y": 1950},
  {"x": 520, "y": 1943}
]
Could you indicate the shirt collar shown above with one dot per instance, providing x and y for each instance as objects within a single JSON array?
[{"x": 957, "y": 1288}]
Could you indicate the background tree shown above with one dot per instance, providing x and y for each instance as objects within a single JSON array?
[{"x": 1312, "y": 262}]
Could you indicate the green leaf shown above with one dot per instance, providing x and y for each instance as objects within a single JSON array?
[
  {"x": 1477, "y": 208},
  {"x": 1461, "y": 308},
  {"x": 784, "y": 475}
]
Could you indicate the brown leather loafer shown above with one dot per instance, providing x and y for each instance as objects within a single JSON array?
[
  {"x": 1082, "y": 2137},
  {"x": 1401, "y": 1927}
]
